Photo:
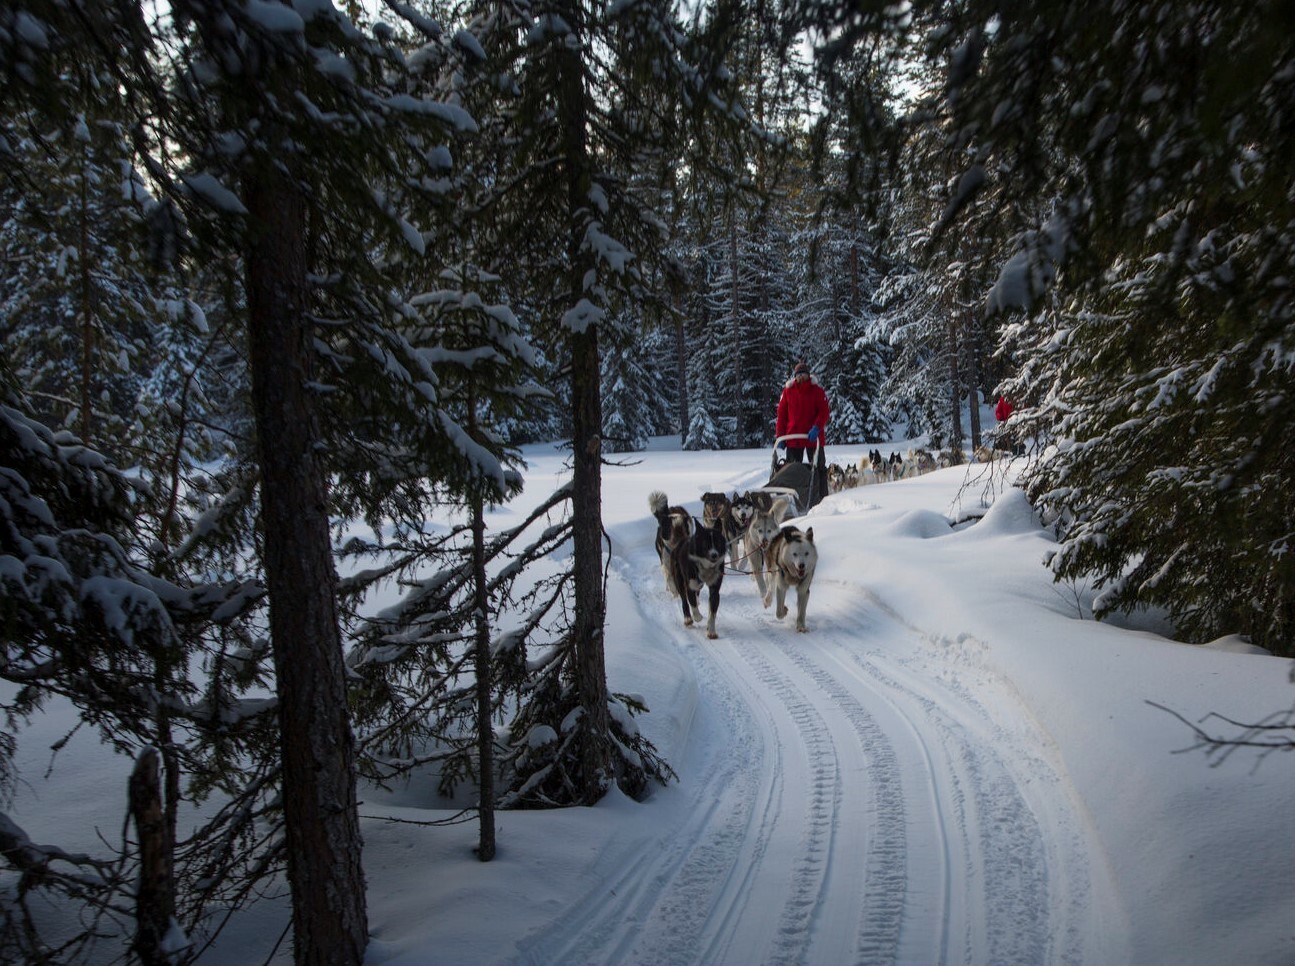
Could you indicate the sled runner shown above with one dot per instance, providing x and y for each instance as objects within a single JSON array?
[{"x": 798, "y": 482}]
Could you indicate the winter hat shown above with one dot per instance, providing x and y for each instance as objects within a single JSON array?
[{"x": 800, "y": 367}]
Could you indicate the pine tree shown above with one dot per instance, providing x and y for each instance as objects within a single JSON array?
[
  {"x": 582, "y": 106},
  {"x": 315, "y": 207},
  {"x": 628, "y": 402},
  {"x": 1154, "y": 268}
]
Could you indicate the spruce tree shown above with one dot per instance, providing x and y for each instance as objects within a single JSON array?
[
  {"x": 584, "y": 108},
  {"x": 1151, "y": 262}
]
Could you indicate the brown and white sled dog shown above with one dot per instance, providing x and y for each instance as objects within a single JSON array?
[
  {"x": 715, "y": 508},
  {"x": 760, "y": 532},
  {"x": 692, "y": 556},
  {"x": 792, "y": 561},
  {"x": 674, "y": 527}
]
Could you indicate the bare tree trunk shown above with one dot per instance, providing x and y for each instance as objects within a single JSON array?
[
  {"x": 485, "y": 720},
  {"x": 735, "y": 331},
  {"x": 320, "y": 817},
  {"x": 155, "y": 897},
  {"x": 955, "y": 389},
  {"x": 854, "y": 290},
  {"x": 971, "y": 374},
  {"x": 681, "y": 363},
  {"x": 87, "y": 312},
  {"x": 586, "y": 404},
  {"x": 590, "y": 596}
]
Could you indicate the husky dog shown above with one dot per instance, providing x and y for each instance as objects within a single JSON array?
[
  {"x": 793, "y": 558},
  {"x": 851, "y": 477},
  {"x": 717, "y": 511},
  {"x": 761, "y": 531},
  {"x": 692, "y": 555},
  {"x": 741, "y": 508},
  {"x": 895, "y": 465},
  {"x": 924, "y": 460},
  {"x": 674, "y": 527},
  {"x": 872, "y": 468},
  {"x": 987, "y": 454},
  {"x": 715, "y": 508},
  {"x": 835, "y": 478}
]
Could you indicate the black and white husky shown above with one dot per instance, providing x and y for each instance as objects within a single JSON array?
[
  {"x": 792, "y": 560},
  {"x": 692, "y": 556},
  {"x": 741, "y": 509}
]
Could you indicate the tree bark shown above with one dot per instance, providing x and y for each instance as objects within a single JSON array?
[
  {"x": 586, "y": 403},
  {"x": 955, "y": 391},
  {"x": 84, "y": 258},
  {"x": 320, "y": 816},
  {"x": 735, "y": 328},
  {"x": 971, "y": 374},
  {"x": 155, "y": 896},
  {"x": 485, "y": 720},
  {"x": 681, "y": 366}
]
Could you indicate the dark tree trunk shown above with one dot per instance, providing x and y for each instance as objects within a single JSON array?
[
  {"x": 586, "y": 403},
  {"x": 84, "y": 266},
  {"x": 321, "y": 821},
  {"x": 155, "y": 897},
  {"x": 735, "y": 331},
  {"x": 590, "y": 598},
  {"x": 485, "y": 684},
  {"x": 681, "y": 364},
  {"x": 955, "y": 389},
  {"x": 971, "y": 376}
]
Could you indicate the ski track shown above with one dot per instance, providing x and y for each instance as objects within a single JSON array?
[{"x": 870, "y": 795}]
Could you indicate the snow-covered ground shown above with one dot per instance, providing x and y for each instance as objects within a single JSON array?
[{"x": 955, "y": 764}]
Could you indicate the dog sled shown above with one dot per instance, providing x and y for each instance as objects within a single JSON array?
[{"x": 800, "y": 482}]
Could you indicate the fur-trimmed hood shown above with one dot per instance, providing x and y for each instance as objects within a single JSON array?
[{"x": 791, "y": 381}]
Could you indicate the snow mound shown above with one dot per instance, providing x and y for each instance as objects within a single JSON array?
[
  {"x": 923, "y": 524},
  {"x": 1235, "y": 644},
  {"x": 1010, "y": 514},
  {"x": 841, "y": 503}
]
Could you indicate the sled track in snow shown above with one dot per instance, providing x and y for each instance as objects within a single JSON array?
[
  {"x": 857, "y": 803},
  {"x": 822, "y": 818},
  {"x": 885, "y": 864},
  {"x": 674, "y": 903}
]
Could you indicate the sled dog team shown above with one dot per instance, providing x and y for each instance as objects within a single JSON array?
[
  {"x": 873, "y": 467},
  {"x": 747, "y": 527}
]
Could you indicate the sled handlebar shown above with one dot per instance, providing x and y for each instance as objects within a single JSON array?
[{"x": 818, "y": 443}]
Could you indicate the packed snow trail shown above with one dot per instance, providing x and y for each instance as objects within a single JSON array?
[{"x": 860, "y": 794}]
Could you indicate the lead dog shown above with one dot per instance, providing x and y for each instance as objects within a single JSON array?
[
  {"x": 692, "y": 556},
  {"x": 759, "y": 534},
  {"x": 793, "y": 559}
]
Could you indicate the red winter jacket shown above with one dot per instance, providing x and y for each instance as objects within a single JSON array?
[
  {"x": 802, "y": 405},
  {"x": 1003, "y": 409}
]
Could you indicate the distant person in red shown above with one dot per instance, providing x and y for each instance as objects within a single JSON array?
[
  {"x": 802, "y": 408},
  {"x": 1002, "y": 412}
]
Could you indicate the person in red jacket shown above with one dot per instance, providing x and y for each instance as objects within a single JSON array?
[
  {"x": 1002, "y": 412},
  {"x": 802, "y": 408}
]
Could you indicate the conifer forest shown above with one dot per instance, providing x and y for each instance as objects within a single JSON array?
[{"x": 272, "y": 271}]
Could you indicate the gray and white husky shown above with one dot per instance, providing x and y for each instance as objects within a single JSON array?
[
  {"x": 760, "y": 532},
  {"x": 792, "y": 560}
]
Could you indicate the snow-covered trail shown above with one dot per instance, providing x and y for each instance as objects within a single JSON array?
[{"x": 862, "y": 793}]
